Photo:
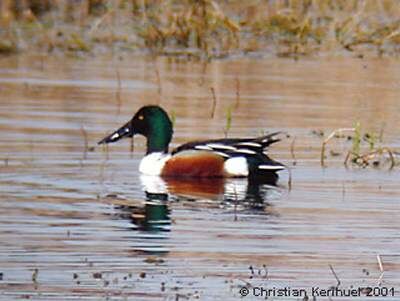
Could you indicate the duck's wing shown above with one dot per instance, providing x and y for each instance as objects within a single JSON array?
[
  {"x": 253, "y": 150},
  {"x": 232, "y": 146}
]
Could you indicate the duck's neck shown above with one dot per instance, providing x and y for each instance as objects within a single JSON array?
[{"x": 158, "y": 140}]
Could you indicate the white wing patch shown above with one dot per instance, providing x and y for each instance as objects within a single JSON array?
[
  {"x": 271, "y": 167},
  {"x": 221, "y": 154},
  {"x": 203, "y": 147},
  {"x": 251, "y": 144},
  {"x": 236, "y": 167},
  {"x": 245, "y": 151},
  {"x": 221, "y": 146}
]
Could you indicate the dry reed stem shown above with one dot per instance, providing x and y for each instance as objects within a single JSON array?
[
  {"x": 378, "y": 257},
  {"x": 85, "y": 142},
  {"x": 237, "y": 93},
  {"x": 220, "y": 27},
  {"x": 332, "y": 135},
  {"x": 132, "y": 148},
  {"x": 390, "y": 152},
  {"x": 292, "y": 151},
  {"x": 349, "y": 154},
  {"x": 336, "y": 276},
  {"x": 203, "y": 73},
  {"x": 158, "y": 79},
  {"x": 101, "y": 171},
  {"x": 289, "y": 177},
  {"x": 290, "y": 180},
  {"x": 105, "y": 150},
  {"x": 371, "y": 155},
  {"x": 99, "y": 21},
  {"x": 214, "y": 103}
]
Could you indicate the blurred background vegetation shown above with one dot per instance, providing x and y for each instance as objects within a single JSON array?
[{"x": 201, "y": 28}]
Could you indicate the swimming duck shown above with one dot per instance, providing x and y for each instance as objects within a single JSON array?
[{"x": 229, "y": 157}]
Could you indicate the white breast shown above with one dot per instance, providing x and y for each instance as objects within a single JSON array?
[{"x": 153, "y": 163}]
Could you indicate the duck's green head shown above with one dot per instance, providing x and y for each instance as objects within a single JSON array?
[{"x": 150, "y": 121}]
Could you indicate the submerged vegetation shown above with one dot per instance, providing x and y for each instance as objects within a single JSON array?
[{"x": 202, "y": 28}]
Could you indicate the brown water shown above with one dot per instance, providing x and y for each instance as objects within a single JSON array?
[{"x": 77, "y": 224}]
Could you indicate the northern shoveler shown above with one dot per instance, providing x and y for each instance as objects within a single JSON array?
[{"x": 242, "y": 157}]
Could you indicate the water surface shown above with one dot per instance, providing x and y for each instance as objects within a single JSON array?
[{"x": 76, "y": 223}]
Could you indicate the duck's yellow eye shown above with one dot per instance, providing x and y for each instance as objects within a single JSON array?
[{"x": 141, "y": 117}]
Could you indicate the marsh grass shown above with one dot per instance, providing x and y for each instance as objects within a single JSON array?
[
  {"x": 118, "y": 91},
  {"x": 364, "y": 151},
  {"x": 214, "y": 102},
  {"x": 228, "y": 121},
  {"x": 202, "y": 28},
  {"x": 85, "y": 142}
]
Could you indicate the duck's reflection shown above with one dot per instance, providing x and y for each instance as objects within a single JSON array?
[
  {"x": 153, "y": 215},
  {"x": 243, "y": 194}
]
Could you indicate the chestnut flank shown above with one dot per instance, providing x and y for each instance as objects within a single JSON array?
[{"x": 194, "y": 164}]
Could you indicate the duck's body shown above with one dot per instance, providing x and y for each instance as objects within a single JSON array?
[{"x": 199, "y": 159}]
